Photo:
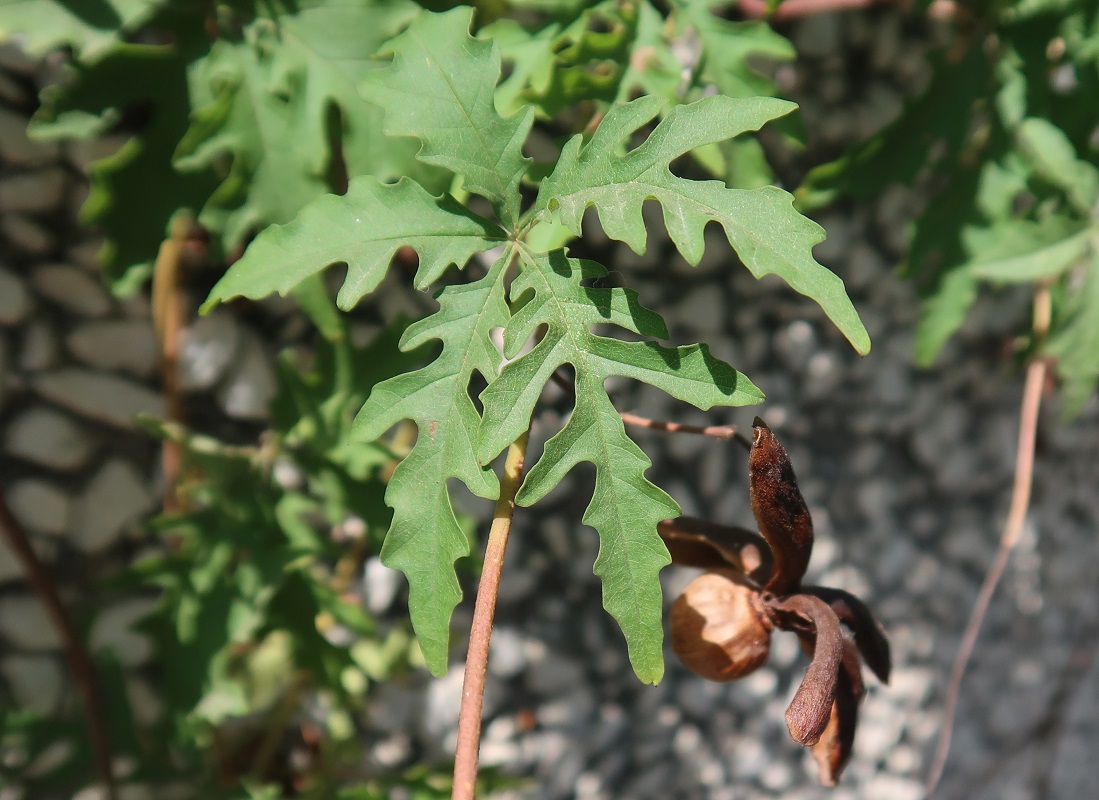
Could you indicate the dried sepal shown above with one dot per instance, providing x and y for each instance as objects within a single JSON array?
[
  {"x": 695, "y": 542},
  {"x": 808, "y": 713},
  {"x": 717, "y": 628},
  {"x": 833, "y": 750},
  {"x": 779, "y": 509},
  {"x": 857, "y": 617}
]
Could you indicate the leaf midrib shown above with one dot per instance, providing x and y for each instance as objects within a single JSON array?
[
  {"x": 498, "y": 187},
  {"x": 589, "y": 399}
]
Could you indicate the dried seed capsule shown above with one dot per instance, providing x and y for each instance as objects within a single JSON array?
[{"x": 717, "y": 629}]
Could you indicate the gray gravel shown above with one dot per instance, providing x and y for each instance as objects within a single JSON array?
[{"x": 907, "y": 473}]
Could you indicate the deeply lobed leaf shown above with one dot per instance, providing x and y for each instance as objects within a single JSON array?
[
  {"x": 1075, "y": 341},
  {"x": 363, "y": 228},
  {"x": 265, "y": 100},
  {"x": 565, "y": 62},
  {"x": 89, "y": 29},
  {"x": 761, "y": 224},
  {"x": 134, "y": 191},
  {"x": 439, "y": 89},
  {"x": 425, "y": 538},
  {"x": 625, "y": 507}
]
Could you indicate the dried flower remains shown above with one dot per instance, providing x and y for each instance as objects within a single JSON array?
[{"x": 721, "y": 625}]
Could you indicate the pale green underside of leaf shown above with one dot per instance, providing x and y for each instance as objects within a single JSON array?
[
  {"x": 90, "y": 29},
  {"x": 439, "y": 89},
  {"x": 425, "y": 538},
  {"x": 761, "y": 224},
  {"x": 625, "y": 506},
  {"x": 363, "y": 229}
]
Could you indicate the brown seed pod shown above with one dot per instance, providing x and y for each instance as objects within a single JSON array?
[{"x": 717, "y": 629}]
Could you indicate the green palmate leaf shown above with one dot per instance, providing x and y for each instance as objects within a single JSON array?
[
  {"x": 692, "y": 52},
  {"x": 761, "y": 224},
  {"x": 363, "y": 228},
  {"x": 1075, "y": 341},
  {"x": 135, "y": 191},
  {"x": 266, "y": 98},
  {"x": 653, "y": 67},
  {"x": 558, "y": 65},
  {"x": 1017, "y": 250},
  {"x": 904, "y": 149},
  {"x": 90, "y": 29},
  {"x": 425, "y": 538},
  {"x": 938, "y": 261},
  {"x": 625, "y": 506},
  {"x": 729, "y": 47},
  {"x": 439, "y": 89},
  {"x": 1054, "y": 158}
]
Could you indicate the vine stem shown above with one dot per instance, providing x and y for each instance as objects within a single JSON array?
[
  {"x": 80, "y": 663},
  {"x": 1013, "y": 527},
  {"x": 484, "y": 611}
]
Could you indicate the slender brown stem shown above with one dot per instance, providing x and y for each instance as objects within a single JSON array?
[
  {"x": 277, "y": 724},
  {"x": 168, "y": 318},
  {"x": 716, "y": 431},
  {"x": 790, "y": 10},
  {"x": 564, "y": 383},
  {"x": 80, "y": 663},
  {"x": 799, "y": 9},
  {"x": 1020, "y": 502},
  {"x": 473, "y": 687}
]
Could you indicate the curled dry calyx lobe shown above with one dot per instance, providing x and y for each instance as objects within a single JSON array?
[
  {"x": 779, "y": 509},
  {"x": 807, "y": 715},
  {"x": 721, "y": 625}
]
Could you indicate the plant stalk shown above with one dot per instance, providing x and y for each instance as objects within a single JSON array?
[
  {"x": 484, "y": 611},
  {"x": 80, "y": 663},
  {"x": 1013, "y": 527},
  {"x": 169, "y": 322}
]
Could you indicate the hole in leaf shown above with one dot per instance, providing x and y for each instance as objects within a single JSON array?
[{"x": 477, "y": 384}]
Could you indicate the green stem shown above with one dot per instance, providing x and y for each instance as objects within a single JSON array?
[{"x": 473, "y": 687}]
